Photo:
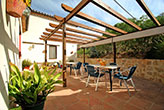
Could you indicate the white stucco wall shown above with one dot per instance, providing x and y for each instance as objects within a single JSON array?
[
  {"x": 36, "y": 27},
  {"x": 9, "y": 43}
]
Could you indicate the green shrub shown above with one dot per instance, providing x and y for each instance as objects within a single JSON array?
[
  {"x": 30, "y": 88},
  {"x": 26, "y": 63}
]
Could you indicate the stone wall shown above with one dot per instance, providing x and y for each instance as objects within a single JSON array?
[{"x": 146, "y": 68}]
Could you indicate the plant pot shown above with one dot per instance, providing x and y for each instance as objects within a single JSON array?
[
  {"x": 27, "y": 67},
  {"x": 39, "y": 106},
  {"x": 15, "y": 8}
]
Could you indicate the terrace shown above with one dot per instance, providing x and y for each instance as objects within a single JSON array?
[
  {"x": 148, "y": 77},
  {"x": 149, "y": 96}
]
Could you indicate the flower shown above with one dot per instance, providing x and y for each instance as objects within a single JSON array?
[{"x": 101, "y": 61}]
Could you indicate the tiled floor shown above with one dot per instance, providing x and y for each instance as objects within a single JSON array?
[{"x": 149, "y": 96}]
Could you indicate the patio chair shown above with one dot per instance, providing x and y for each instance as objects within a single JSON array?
[
  {"x": 125, "y": 78},
  {"x": 85, "y": 66},
  {"x": 77, "y": 68},
  {"x": 93, "y": 73},
  {"x": 59, "y": 66}
]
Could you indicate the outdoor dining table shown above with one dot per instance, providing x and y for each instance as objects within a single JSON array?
[
  {"x": 70, "y": 65},
  {"x": 109, "y": 67}
]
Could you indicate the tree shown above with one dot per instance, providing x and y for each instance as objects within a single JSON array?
[{"x": 148, "y": 47}]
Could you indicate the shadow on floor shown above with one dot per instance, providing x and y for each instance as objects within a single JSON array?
[{"x": 149, "y": 96}]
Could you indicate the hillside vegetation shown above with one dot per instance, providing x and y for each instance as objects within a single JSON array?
[{"x": 148, "y": 47}]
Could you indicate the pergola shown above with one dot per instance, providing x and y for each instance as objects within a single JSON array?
[{"x": 87, "y": 41}]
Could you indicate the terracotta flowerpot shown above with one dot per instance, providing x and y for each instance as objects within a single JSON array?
[
  {"x": 27, "y": 67},
  {"x": 15, "y": 7}
]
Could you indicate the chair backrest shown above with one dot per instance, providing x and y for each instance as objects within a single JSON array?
[
  {"x": 79, "y": 65},
  {"x": 90, "y": 69},
  {"x": 84, "y": 65},
  {"x": 131, "y": 72},
  {"x": 59, "y": 66}
]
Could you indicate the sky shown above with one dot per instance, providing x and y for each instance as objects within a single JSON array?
[{"x": 53, "y": 7}]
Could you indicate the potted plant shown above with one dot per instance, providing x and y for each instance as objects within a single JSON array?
[
  {"x": 15, "y": 8},
  {"x": 30, "y": 89},
  {"x": 26, "y": 64}
]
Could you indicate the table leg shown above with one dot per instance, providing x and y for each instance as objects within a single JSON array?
[
  {"x": 70, "y": 69},
  {"x": 110, "y": 78}
]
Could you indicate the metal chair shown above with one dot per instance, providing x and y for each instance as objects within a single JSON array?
[
  {"x": 125, "y": 78},
  {"x": 93, "y": 73},
  {"x": 85, "y": 66},
  {"x": 59, "y": 66},
  {"x": 77, "y": 68}
]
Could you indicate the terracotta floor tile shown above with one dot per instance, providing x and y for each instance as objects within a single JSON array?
[
  {"x": 77, "y": 106},
  {"x": 157, "y": 107},
  {"x": 149, "y": 96},
  {"x": 160, "y": 99},
  {"x": 94, "y": 101},
  {"x": 51, "y": 105},
  {"x": 109, "y": 107},
  {"x": 131, "y": 107},
  {"x": 124, "y": 96},
  {"x": 142, "y": 103},
  {"x": 114, "y": 101}
]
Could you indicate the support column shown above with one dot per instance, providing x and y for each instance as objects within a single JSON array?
[
  {"x": 83, "y": 55},
  {"x": 64, "y": 56},
  {"x": 46, "y": 52},
  {"x": 114, "y": 52}
]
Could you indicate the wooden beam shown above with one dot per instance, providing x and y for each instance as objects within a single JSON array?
[
  {"x": 83, "y": 55},
  {"x": 60, "y": 40},
  {"x": 71, "y": 38},
  {"x": 134, "y": 35},
  {"x": 108, "y": 9},
  {"x": 72, "y": 34},
  {"x": 92, "y": 19},
  {"x": 148, "y": 12},
  {"x": 81, "y": 5},
  {"x": 64, "y": 56},
  {"x": 78, "y": 31},
  {"x": 46, "y": 52},
  {"x": 58, "y": 18},
  {"x": 35, "y": 43}
]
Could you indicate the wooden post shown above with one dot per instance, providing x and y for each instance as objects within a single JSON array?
[
  {"x": 64, "y": 56},
  {"x": 83, "y": 55},
  {"x": 45, "y": 51},
  {"x": 114, "y": 52}
]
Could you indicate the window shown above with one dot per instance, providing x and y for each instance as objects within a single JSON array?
[{"x": 52, "y": 52}]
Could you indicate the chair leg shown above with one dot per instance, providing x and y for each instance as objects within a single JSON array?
[
  {"x": 94, "y": 80},
  {"x": 120, "y": 81},
  {"x": 97, "y": 82},
  {"x": 75, "y": 73},
  {"x": 133, "y": 84},
  {"x": 88, "y": 81},
  {"x": 127, "y": 87},
  {"x": 81, "y": 71}
]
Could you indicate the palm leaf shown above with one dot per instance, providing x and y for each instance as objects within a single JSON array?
[{"x": 37, "y": 75}]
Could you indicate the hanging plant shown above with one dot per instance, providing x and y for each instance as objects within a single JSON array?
[{"x": 15, "y": 8}]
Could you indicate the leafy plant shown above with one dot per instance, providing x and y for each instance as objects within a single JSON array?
[
  {"x": 26, "y": 63},
  {"x": 31, "y": 88}
]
